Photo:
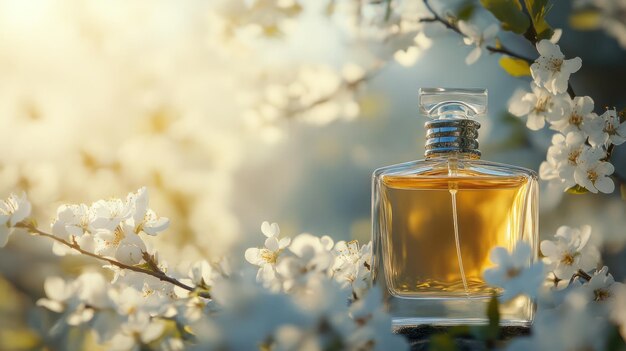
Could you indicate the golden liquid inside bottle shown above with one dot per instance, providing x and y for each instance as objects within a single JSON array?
[{"x": 422, "y": 258}]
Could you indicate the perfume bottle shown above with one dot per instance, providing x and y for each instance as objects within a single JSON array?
[{"x": 436, "y": 220}]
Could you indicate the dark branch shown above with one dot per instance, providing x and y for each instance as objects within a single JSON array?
[{"x": 157, "y": 273}]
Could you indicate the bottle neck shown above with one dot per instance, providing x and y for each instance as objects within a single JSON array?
[{"x": 452, "y": 137}]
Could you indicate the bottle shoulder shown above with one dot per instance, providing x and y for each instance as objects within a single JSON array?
[{"x": 447, "y": 168}]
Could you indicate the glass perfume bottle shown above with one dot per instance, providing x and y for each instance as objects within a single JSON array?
[{"x": 436, "y": 220}]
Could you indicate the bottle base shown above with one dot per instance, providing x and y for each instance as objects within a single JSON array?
[{"x": 457, "y": 311}]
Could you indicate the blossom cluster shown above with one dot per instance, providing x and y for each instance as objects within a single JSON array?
[
  {"x": 580, "y": 148},
  {"x": 308, "y": 293},
  {"x": 578, "y": 300},
  {"x": 109, "y": 228},
  {"x": 290, "y": 265}
]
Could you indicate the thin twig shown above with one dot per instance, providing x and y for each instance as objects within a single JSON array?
[
  {"x": 157, "y": 273},
  {"x": 500, "y": 50}
]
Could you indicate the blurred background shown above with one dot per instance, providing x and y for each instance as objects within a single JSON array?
[{"x": 238, "y": 111}]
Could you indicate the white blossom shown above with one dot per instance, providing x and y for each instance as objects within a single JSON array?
[
  {"x": 268, "y": 258},
  {"x": 576, "y": 113},
  {"x": 593, "y": 173},
  {"x": 375, "y": 325},
  {"x": 602, "y": 287},
  {"x": 607, "y": 128},
  {"x": 538, "y": 105},
  {"x": 566, "y": 154},
  {"x": 12, "y": 211},
  {"x": 618, "y": 308},
  {"x": 571, "y": 326},
  {"x": 473, "y": 36},
  {"x": 352, "y": 266},
  {"x": 570, "y": 252},
  {"x": 551, "y": 70},
  {"x": 515, "y": 272},
  {"x": 311, "y": 256},
  {"x": 144, "y": 219},
  {"x": 137, "y": 331}
]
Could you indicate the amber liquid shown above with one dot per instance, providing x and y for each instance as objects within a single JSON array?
[{"x": 422, "y": 255}]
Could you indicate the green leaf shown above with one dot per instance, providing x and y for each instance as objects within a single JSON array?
[
  {"x": 514, "y": 66},
  {"x": 466, "y": 10},
  {"x": 510, "y": 13},
  {"x": 585, "y": 20},
  {"x": 622, "y": 189},
  {"x": 493, "y": 313},
  {"x": 577, "y": 189},
  {"x": 538, "y": 9}
]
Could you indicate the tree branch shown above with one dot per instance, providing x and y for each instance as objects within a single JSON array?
[{"x": 157, "y": 273}]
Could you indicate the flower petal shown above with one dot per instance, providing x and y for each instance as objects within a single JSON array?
[
  {"x": 473, "y": 56},
  {"x": 572, "y": 65},
  {"x": 548, "y": 49},
  {"x": 272, "y": 244},
  {"x": 252, "y": 255},
  {"x": 605, "y": 185}
]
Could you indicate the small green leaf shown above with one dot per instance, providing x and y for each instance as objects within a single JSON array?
[
  {"x": 585, "y": 20},
  {"x": 622, "y": 189},
  {"x": 515, "y": 67},
  {"x": 466, "y": 10},
  {"x": 510, "y": 13},
  {"x": 538, "y": 9},
  {"x": 577, "y": 189},
  {"x": 493, "y": 313}
]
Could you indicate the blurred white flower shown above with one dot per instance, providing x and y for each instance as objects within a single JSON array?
[
  {"x": 311, "y": 256},
  {"x": 539, "y": 105},
  {"x": 602, "y": 287},
  {"x": 60, "y": 294},
  {"x": 618, "y": 308},
  {"x": 571, "y": 326},
  {"x": 373, "y": 325},
  {"x": 202, "y": 274},
  {"x": 245, "y": 306},
  {"x": 607, "y": 128},
  {"x": 78, "y": 298},
  {"x": 515, "y": 272},
  {"x": 570, "y": 252},
  {"x": 551, "y": 70},
  {"x": 575, "y": 114},
  {"x": 478, "y": 38},
  {"x": 12, "y": 211},
  {"x": 352, "y": 266},
  {"x": 138, "y": 331}
]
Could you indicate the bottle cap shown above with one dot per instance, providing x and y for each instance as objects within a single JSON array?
[
  {"x": 445, "y": 103},
  {"x": 452, "y": 128}
]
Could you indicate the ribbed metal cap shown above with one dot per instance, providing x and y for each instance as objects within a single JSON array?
[
  {"x": 452, "y": 129},
  {"x": 445, "y": 136}
]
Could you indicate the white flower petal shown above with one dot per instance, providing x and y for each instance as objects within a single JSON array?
[
  {"x": 605, "y": 185},
  {"x": 473, "y": 56},
  {"x": 272, "y": 244},
  {"x": 252, "y": 255},
  {"x": 548, "y": 49},
  {"x": 572, "y": 65}
]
